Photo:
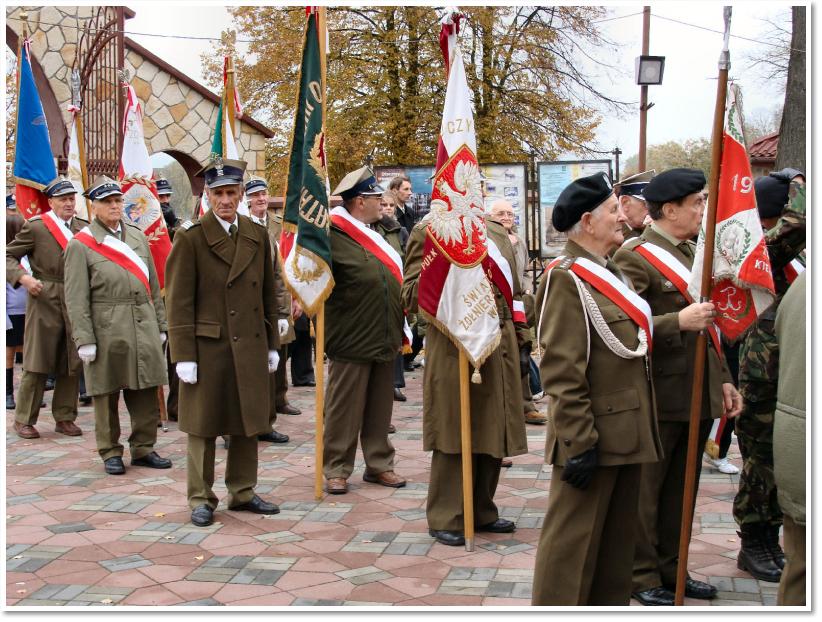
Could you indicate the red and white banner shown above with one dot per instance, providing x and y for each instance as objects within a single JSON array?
[
  {"x": 57, "y": 228},
  {"x": 793, "y": 270},
  {"x": 455, "y": 291},
  {"x": 118, "y": 252},
  {"x": 75, "y": 165},
  {"x": 142, "y": 205},
  {"x": 742, "y": 280},
  {"x": 375, "y": 244}
]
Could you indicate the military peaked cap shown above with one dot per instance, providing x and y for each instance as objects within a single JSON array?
[
  {"x": 359, "y": 182},
  {"x": 634, "y": 184},
  {"x": 103, "y": 187},
  {"x": 255, "y": 184},
  {"x": 219, "y": 172}
]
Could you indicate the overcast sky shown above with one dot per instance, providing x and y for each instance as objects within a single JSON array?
[{"x": 683, "y": 104}]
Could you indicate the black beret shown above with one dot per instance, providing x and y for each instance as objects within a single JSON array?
[
  {"x": 771, "y": 196},
  {"x": 674, "y": 184},
  {"x": 581, "y": 195}
]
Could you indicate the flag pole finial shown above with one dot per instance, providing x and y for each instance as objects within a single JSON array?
[{"x": 725, "y": 55}]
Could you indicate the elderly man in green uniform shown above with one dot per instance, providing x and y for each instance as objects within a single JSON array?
[
  {"x": 756, "y": 506},
  {"x": 595, "y": 335},
  {"x": 363, "y": 318},
  {"x": 48, "y": 348},
  {"x": 118, "y": 324},
  {"x": 632, "y": 203},
  {"x": 497, "y": 424},
  {"x": 256, "y": 192},
  {"x": 224, "y": 341},
  {"x": 659, "y": 264}
]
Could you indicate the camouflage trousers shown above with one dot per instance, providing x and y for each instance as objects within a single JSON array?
[{"x": 755, "y": 501}]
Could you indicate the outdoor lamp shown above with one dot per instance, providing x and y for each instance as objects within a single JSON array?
[{"x": 649, "y": 69}]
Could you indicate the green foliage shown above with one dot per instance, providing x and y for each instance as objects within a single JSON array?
[{"x": 693, "y": 153}]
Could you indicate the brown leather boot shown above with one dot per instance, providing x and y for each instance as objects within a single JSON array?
[
  {"x": 69, "y": 428},
  {"x": 25, "y": 430}
]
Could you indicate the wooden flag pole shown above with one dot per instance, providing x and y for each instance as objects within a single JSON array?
[
  {"x": 161, "y": 401},
  {"x": 81, "y": 146},
  {"x": 467, "y": 457},
  {"x": 319, "y": 374},
  {"x": 689, "y": 493},
  {"x": 228, "y": 98}
]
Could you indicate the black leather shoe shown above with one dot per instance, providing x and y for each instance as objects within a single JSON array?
[
  {"x": 399, "y": 396},
  {"x": 288, "y": 409},
  {"x": 696, "y": 589},
  {"x": 152, "y": 461},
  {"x": 49, "y": 384},
  {"x": 273, "y": 437},
  {"x": 408, "y": 367},
  {"x": 85, "y": 400},
  {"x": 256, "y": 505},
  {"x": 202, "y": 516},
  {"x": 310, "y": 383},
  {"x": 655, "y": 597},
  {"x": 114, "y": 466},
  {"x": 450, "y": 538},
  {"x": 499, "y": 526}
]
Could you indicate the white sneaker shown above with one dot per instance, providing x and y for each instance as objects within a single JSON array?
[{"x": 721, "y": 464}]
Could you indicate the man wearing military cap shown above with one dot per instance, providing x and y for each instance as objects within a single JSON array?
[
  {"x": 118, "y": 327},
  {"x": 256, "y": 192},
  {"x": 595, "y": 335},
  {"x": 658, "y": 263},
  {"x": 48, "y": 349},
  {"x": 363, "y": 318},
  {"x": 164, "y": 192},
  {"x": 632, "y": 203},
  {"x": 224, "y": 341}
]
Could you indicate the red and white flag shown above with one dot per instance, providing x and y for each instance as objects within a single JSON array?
[
  {"x": 142, "y": 205},
  {"x": 455, "y": 291},
  {"x": 742, "y": 280}
]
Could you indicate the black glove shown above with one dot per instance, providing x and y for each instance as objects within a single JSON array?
[
  {"x": 787, "y": 174},
  {"x": 579, "y": 470},
  {"x": 524, "y": 359}
]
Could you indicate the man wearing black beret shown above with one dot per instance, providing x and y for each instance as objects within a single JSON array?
[
  {"x": 659, "y": 264},
  {"x": 594, "y": 332}
]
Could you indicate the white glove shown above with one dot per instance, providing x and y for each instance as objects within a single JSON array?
[
  {"x": 273, "y": 360},
  {"x": 282, "y": 327},
  {"x": 187, "y": 372},
  {"x": 88, "y": 352},
  {"x": 163, "y": 339}
]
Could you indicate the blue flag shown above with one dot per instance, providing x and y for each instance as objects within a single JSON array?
[{"x": 33, "y": 161}]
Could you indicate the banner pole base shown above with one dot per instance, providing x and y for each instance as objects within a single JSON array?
[{"x": 469, "y": 545}]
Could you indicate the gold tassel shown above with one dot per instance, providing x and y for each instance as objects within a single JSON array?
[
  {"x": 711, "y": 448},
  {"x": 475, "y": 377}
]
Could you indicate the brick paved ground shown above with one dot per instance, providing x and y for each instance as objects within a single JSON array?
[{"x": 76, "y": 536}]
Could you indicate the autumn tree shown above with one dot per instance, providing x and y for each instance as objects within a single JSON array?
[
  {"x": 531, "y": 71},
  {"x": 11, "y": 109},
  {"x": 693, "y": 153}
]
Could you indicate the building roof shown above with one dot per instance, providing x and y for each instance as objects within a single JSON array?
[
  {"x": 188, "y": 81},
  {"x": 765, "y": 148}
]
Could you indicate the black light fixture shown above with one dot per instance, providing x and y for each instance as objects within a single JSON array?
[{"x": 649, "y": 69}]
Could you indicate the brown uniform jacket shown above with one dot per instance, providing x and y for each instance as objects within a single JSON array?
[
  {"x": 223, "y": 316},
  {"x": 108, "y": 306},
  {"x": 674, "y": 349},
  {"x": 497, "y": 425},
  {"x": 48, "y": 348},
  {"x": 598, "y": 399}
]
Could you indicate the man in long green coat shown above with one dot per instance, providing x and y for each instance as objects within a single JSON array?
[
  {"x": 48, "y": 348},
  {"x": 497, "y": 425},
  {"x": 118, "y": 324},
  {"x": 223, "y": 336}
]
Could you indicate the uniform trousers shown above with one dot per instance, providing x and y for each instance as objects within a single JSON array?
[
  {"x": 240, "y": 470},
  {"x": 444, "y": 508},
  {"x": 279, "y": 398},
  {"x": 660, "y": 506},
  {"x": 527, "y": 397},
  {"x": 358, "y": 402},
  {"x": 302, "y": 355},
  {"x": 792, "y": 584},
  {"x": 587, "y": 542},
  {"x": 30, "y": 396},
  {"x": 144, "y": 411}
]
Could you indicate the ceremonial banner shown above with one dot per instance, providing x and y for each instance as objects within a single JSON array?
[
  {"x": 223, "y": 145},
  {"x": 742, "y": 281},
  {"x": 33, "y": 161},
  {"x": 76, "y": 169},
  {"x": 142, "y": 205},
  {"x": 305, "y": 244},
  {"x": 455, "y": 291}
]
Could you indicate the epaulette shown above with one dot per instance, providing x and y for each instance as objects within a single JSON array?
[
  {"x": 566, "y": 263},
  {"x": 632, "y": 243},
  {"x": 128, "y": 224},
  {"x": 37, "y": 217},
  {"x": 81, "y": 219},
  {"x": 277, "y": 218},
  {"x": 188, "y": 224}
]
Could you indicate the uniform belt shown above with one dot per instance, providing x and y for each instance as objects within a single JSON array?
[
  {"x": 48, "y": 277},
  {"x": 118, "y": 301}
]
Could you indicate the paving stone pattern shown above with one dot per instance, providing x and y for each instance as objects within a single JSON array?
[{"x": 77, "y": 537}]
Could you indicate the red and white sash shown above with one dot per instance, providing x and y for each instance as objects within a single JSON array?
[
  {"x": 503, "y": 277},
  {"x": 677, "y": 273},
  {"x": 57, "y": 228},
  {"x": 375, "y": 244},
  {"x": 119, "y": 252},
  {"x": 793, "y": 270}
]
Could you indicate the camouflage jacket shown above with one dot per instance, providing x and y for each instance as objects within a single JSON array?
[{"x": 759, "y": 352}]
